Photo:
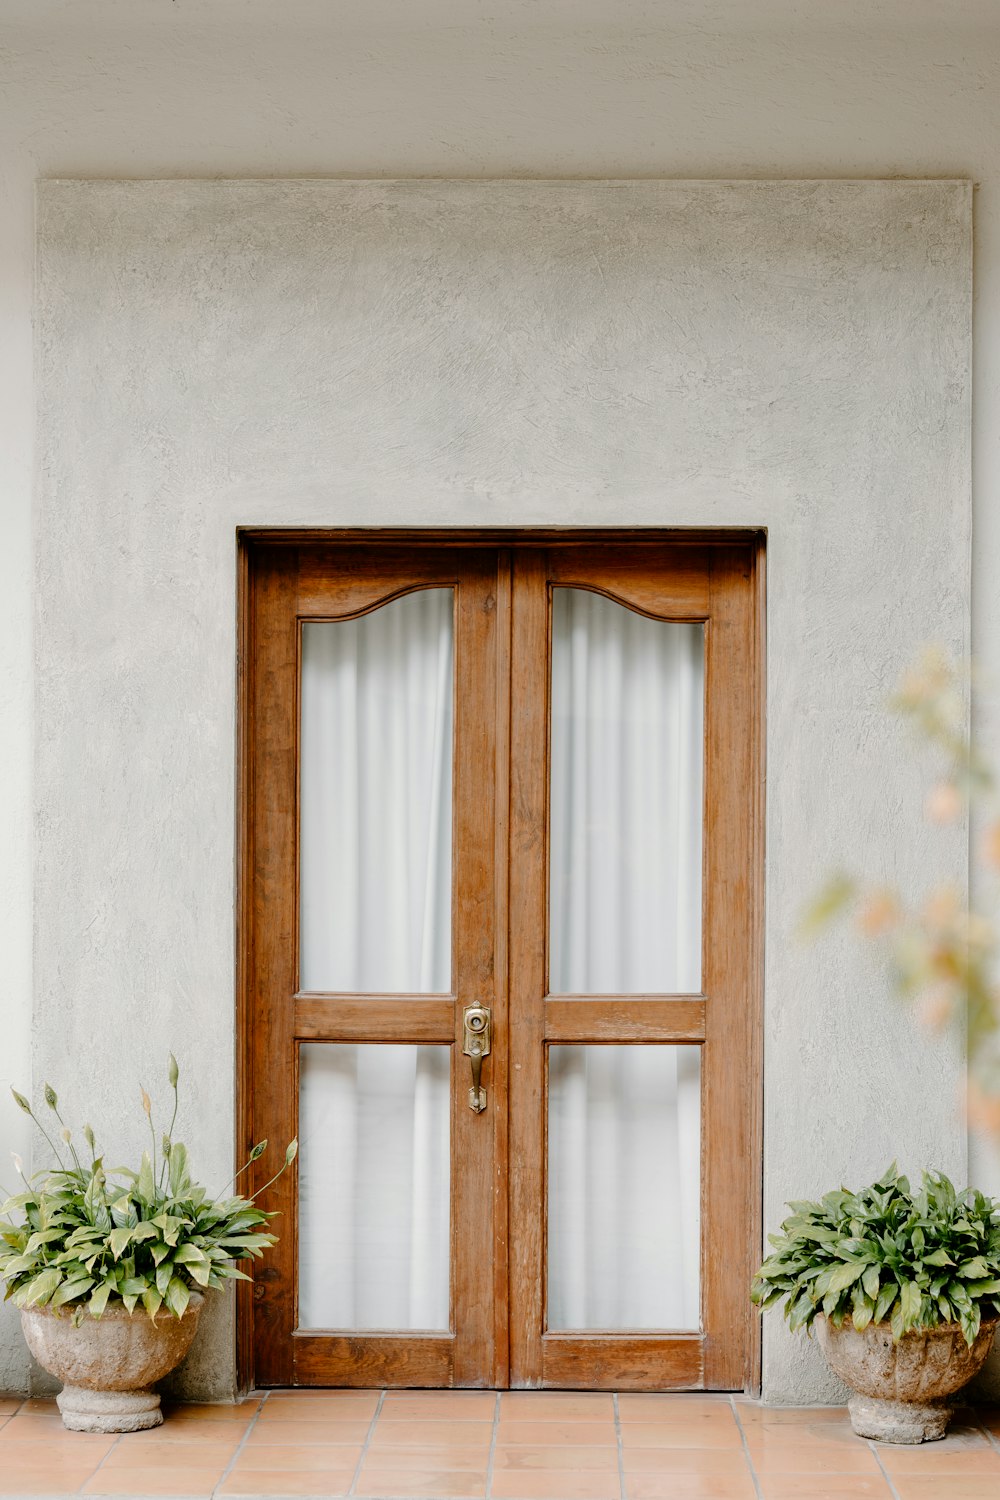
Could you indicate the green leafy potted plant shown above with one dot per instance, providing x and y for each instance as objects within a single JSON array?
[
  {"x": 109, "y": 1266},
  {"x": 903, "y": 1289}
]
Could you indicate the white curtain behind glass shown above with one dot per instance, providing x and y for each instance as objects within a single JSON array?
[
  {"x": 375, "y": 857},
  {"x": 624, "y": 1187},
  {"x": 626, "y": 800},
  {"x": 374, "y": 1200},
  {"x": 375, "y": 892},
  {"x": 625, "y": 917},
  {"x": 375, "y": 876}
]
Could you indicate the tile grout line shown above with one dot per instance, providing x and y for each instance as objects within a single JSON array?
[
  {"x": 100, "y": 1466},
  {"x": 972, "y": 1417},
  {"x": 80, "y": 1487},
  {"x": 618, "y": 1440},
  {"x": 493, "y": 1445},
  {"x": 240, "y": 1445},
  {"x": 754, "y": 1479},
  {"x": 352, "y": 1488},
  {"x": 873, "y": 1448}
]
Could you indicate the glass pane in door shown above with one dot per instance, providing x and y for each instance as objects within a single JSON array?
[
  {"x": 624, "y": 1187},
  {"x": 375, "y": 799},
  {"x": 625, "y": 843},
  {"x": 374, "y": 1205}
]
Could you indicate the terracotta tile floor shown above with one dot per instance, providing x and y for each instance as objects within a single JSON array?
[{"x": 475, "y": 1445}]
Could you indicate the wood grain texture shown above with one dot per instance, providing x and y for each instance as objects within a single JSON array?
[
  {"x": 291, "y": 585},
  {"x": 625, "y": 1018},
  {"x": 568, "y": 540},
  {"x": 474, "y": 965},
  {"x": 731, "y": 1087},
  {"x": 273, "y": 1093},
  {"x": 343, "y": 581},
  {"x": 500, "y": 926},
  {"x": 528, "y": 964},
  {"x": 673, "y": 587},
  {"x": 623, "y": 1362},
  {"x": 374, "y": 1018},
  {"x": 716, "y": 585},
  {"x": 367, "y": 1360},
  {"x": 499, "y": 1113}
]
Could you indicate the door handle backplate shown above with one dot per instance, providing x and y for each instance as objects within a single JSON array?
[{"x": 476, "y": 1045}]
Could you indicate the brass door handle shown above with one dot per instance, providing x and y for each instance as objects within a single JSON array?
[{"x": 477, "y": 1045}]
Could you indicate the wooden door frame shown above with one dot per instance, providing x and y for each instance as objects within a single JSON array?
[
  {"x": 250, "y": 541},
  {"x": 291, "y": 587}
]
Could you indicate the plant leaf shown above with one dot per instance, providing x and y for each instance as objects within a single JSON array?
[
  {"x": 119, "y": 1239},
  {"x": 862, "y": 1314},
  {"x": 99, "y": 1299},
  {"x": 152, "y": 1301},
  {"x": 178, "y": 1167},
  {"x": 71, "y": 1290},
  {"x": 188, "y": 1255},
  {"x": 41, "y": 1288},
  {"x": 910, "y": 1299},
  {"x": 844, "y": 1276},
  {"x": 145, "y": 1187},
  {"x": 177, "y": 1297}
]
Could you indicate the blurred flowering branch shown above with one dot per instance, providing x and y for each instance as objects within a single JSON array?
[{"x": 941, "y": 953}]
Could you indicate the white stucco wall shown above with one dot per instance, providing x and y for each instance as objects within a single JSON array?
[
  {"x": 138, "y": 88},
  {"x": 790, "y": 355}
]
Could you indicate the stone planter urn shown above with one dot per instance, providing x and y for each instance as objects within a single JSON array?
[
  {"x": 109, "y": 1365},
  {"x": 902, "y": 1390}
]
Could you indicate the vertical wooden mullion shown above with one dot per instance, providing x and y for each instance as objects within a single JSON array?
[
  {"x": 474, "y": 977},
  {"x": 500, "y": 1071},
  {"x": 273, "y": 974},
  {"x": 528, "y": 966},
  {"x": 731, "y": 1112}
]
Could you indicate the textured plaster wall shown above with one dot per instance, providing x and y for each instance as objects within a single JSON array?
[
  {"x": 463, "y": 88},
  {"x": 214, "y": 354}
]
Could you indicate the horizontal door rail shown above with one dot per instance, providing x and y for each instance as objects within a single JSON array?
[
  {"x": 371, "y": 1359},
  {"x": 623, "y": 1361},
  {"x": 624, "y": 1018},
  {"x": 374, "y": 1018}
]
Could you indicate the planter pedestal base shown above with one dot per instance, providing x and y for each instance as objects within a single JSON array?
[
  {"x": 108, "y": 1411},
  {"x": 109, "y": 1365},
  {"x": 899, "y": 1421},
  {"x": 902, "y": 1388}
]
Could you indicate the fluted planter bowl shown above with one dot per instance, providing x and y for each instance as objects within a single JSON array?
[
  {"x": 109, "y": 1365},
  {"x": 902, "y": 1390}
]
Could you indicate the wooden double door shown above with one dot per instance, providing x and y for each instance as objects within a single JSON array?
[{"x": 500, "y": 973}]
